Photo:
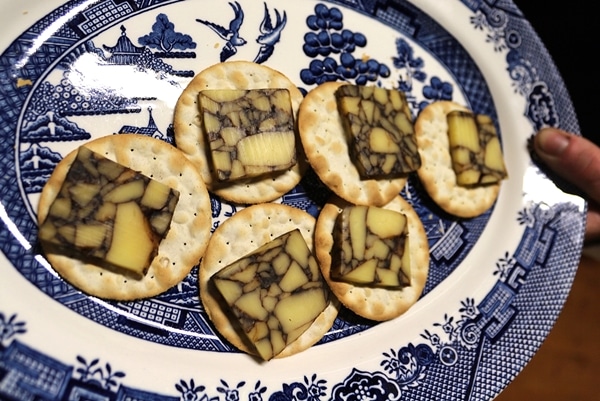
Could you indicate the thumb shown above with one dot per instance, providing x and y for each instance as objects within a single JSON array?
[{"x": 572, "y": 157}]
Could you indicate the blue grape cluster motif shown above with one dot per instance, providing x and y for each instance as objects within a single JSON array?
[{"x": 327, "y": 39}]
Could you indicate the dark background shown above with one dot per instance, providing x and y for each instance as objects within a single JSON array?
[{"x": 571, "y": 37}]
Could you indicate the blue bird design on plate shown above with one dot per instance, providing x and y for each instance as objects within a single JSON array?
[
  {"x": 270, "y": 34},
  {"x": 232, "y": 34}
]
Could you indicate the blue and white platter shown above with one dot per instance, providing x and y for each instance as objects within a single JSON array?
[{"x": 83, "y": 69}]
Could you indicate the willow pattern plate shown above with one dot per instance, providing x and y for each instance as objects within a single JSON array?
[{"x": 83, "y": 69}]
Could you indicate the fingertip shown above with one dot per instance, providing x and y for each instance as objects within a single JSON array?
[
  {"x": 573, "y": 158},
  {"x": 551, "y": 142}
]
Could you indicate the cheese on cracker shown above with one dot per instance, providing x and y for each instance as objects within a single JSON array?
[
  {"x": 240, "y": 235},
  {"x": 371, "y": 247},
  {"x": 326, "y": 148},
  {"x": 275, "y": 293},
  {"x": 475, "y": 149},
  {"x": 105, "y": 210},
  {"x": 379, "y": 128},
  {"x": 191, "y": 138},
  {"x": 437, "y": 174},
  {"x": 250, "y": 132},
  {"x": 181, "y": 248},
  {"x": 372, "y": 302}
]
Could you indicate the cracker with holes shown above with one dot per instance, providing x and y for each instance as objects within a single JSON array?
[
  {"x": 265, "y": 176},
  {"x": 437, "y": 173},
  {"x": 257, "y": 279},
  {"x": 124, "y": 217},
  {"x": 326, "y": 147},
  {"x": 373, "y": 302}
]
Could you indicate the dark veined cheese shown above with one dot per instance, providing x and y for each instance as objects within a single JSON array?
[
  {"x": 371, "y": 247},
  {"x": 250, "y": 132},
  {"x": 379, "y": 127},
  {"x": 475, "y": 149},
  {"x": 275, "y": 293},
  {"x": 109, "y": 214}
]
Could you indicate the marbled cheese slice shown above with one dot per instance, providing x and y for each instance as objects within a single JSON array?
[
  {"x": 275, "y": 292},
  {"x": 371, "y": 247},
  {"x": 109, "y": 214},
  {"x": 250, "y": 132},
  {"x": 475, "y": 149},
  {"x": 379, "y": 127}
]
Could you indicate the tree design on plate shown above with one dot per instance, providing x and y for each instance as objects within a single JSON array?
[{"x": 164, "y": 37}]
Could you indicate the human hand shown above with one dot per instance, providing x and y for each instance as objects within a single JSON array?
[{"x": 577, "y": 160}]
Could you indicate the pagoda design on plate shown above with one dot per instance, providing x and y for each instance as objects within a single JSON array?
[{"x": 47, "y": 119}]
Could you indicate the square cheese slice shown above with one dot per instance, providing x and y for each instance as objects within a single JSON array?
[
  {"x": 379, "y": 127},
  {"x": 371, "y": 247},
  {"x": 250, "y": 132},
  {"x": 109, "y": 214},
  {"x": 475, "y": 149},
  {"x": 275, "y": 293}
]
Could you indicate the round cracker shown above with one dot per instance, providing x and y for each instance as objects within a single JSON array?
[
  {"x": 375, "y": 303},
  {"x": 178, "y": 252},
  {"x": 242, "y": 234},
  {"x": 190, "y": 138},
  {"x": 436, "y": 172},
  {"x": 326, "y": 147}
]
